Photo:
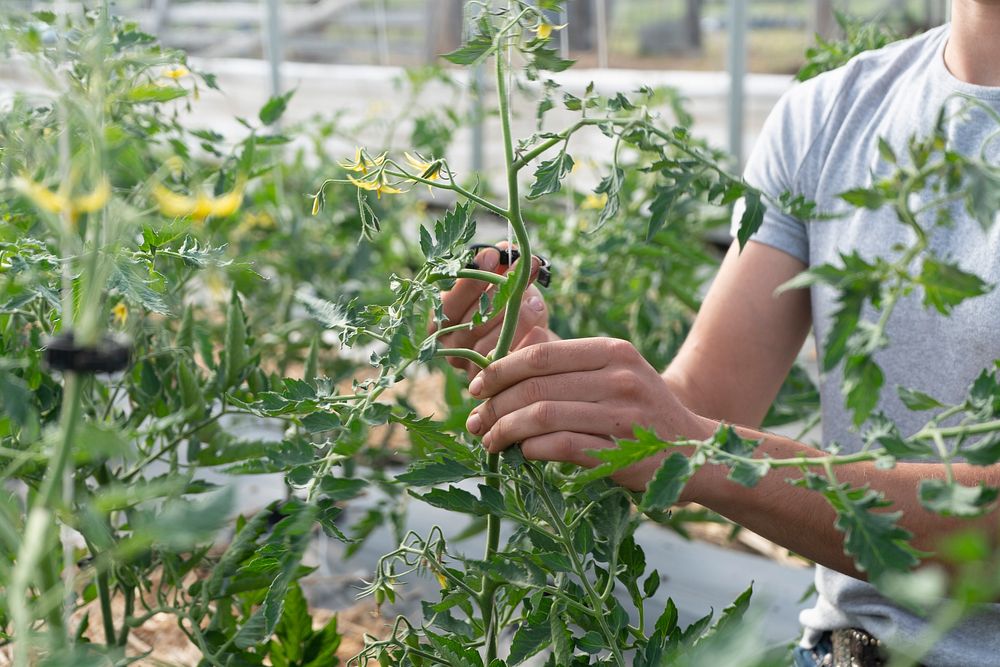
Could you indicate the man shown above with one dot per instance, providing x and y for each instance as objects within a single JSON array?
[{"x": 560, "y": 398}]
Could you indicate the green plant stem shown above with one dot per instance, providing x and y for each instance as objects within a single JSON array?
[
  {"x": 36, "y": 528},
  {"x": 453, "y": 187},
  {"x": 595, "y": 599},
  {"x": 474, "y": 274},
  {"x": 520, "y": 277},
  {"x": 129, "y": 608},
  {"x": 463, "y": 353},
  {"x": 104, "y": 592},
  {"x": 171, "y": 445}
]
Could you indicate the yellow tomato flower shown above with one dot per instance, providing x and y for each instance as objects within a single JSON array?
[
  {"x": 594, "y": 202},
  {"x": 94, "y": 200},
  {"x": 120, "y": 313},
  {"x": 378, "y": 185},
  {"x": 315, "y": 209},
  {"x": 176, "y": 72},
  {"x": 41, "y": 196},
  {"x": 362, "y": 162},
  {"x": 544, "y": 30},
  {"x": 200, "y": 206},
  {"x": 59, "y": 202},
  {"x": 429, "y": 169}
]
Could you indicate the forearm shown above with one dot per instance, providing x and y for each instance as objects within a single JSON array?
[{"x": 803, "y": 521}]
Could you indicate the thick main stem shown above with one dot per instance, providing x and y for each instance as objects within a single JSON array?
[
  {"x": 32, "y": 551},
  {"x": 511, "y": 313}
]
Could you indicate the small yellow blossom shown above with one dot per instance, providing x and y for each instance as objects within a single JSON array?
[
  {"x": 544, "y": 30},
  {"x": 441, "y": 580},
  {"x": 176, "y": 72},
  {"x": 362, "y": 162},
  {"x": 594, "y": 202},
  {"x": 200, "y": 206},
  {"x": 315, "y": 209},
  {"x": 41, "y": 196},
  {"x": 94, "y": 200},
  {"x": 120, "y": 313},
  {"x": 378, "y": 184},
  {"x": 60, "y": 202},
  {"x": 429, "y": 169}
]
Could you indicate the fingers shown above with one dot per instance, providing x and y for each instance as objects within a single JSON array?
[
  {"x": 533, "y": 316},
  {"x": 535, "y": 336},
  {"x": 579, "y": 386},
  {"x": 546, "y": 417},
  {"x": 466, "y": 291},
  {"x": 564, "y": 447},
  {"x": 549, "y": 358}
]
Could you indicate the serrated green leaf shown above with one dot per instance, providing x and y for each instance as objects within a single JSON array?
[
  {"x": 917, "y": 400},
  {"x": 319, "y": 422},
  {"x": 864, "y": 198},
  {"x": 946, "y": 285},
  {"x": 549, "y": 175},
  {"x": 956, "y": 499},
  {"x": 753, "y": 216},
  {"x": 872, "y": 537},
  {"x": 429, "y": 473},
  {"x": 472, "y": 51},
  {"x": 342, "y": 488},
  {"x": 546, "y": 58},
  {"x": 452, "y": 499},
  {"x": 668, "y": 482},
  {"x": 610, "y": 185},
  {"x": 862, "y": 386},
  {"x": 274, "y": 108},
  {"x": 624, "y": 454},
  {"x": 151, "y": 92},
  {"x": 562, "y": 639}
]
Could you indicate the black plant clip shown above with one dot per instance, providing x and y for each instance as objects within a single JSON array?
[
  {"x": 510, "y": 255},
  {"x": 109, "y": 355}
]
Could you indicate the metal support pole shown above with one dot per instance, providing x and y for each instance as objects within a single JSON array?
[
  {"x": 564, "y": 34},
  {"x": 736, "y": 58},
  {"x": 602, "y": 33},
  {"x": 382, "y": 25},
  {"x": 273, "y": 43}
]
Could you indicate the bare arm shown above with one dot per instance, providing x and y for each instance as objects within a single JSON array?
[
  {"x": 560, "y": 399},
  {"x": 744, "y": 339}
]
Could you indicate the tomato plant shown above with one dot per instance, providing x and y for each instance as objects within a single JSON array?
[{"x": 147, "y": 237}]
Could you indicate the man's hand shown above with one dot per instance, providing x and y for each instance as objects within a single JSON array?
[
  {"x": 462, "y": 301},
  {"x": 559, "y": 399}
]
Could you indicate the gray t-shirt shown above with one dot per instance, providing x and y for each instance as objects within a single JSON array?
[{"x": 819, "y": 141}]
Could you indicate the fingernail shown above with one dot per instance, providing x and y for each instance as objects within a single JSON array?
[
  {"x": 490, "y": 261},
  {"x": 474, "y": 423},
  {"x": 535, "y": 304},
  {"x": 476, "y": 386},
  {"x": 487, "y": 439}
]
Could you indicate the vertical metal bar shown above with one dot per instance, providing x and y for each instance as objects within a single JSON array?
[
  {"x": 273, "y": 43},
  {"x": 161, "y": 9},
  {"x": 382, "y": 26},
  {"x": 601, "y": 7},
  {"x": 564, "y": 33},
  {"x": 736, "y": 58}
]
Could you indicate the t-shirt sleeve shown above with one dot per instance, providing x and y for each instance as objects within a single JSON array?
[{"x": 773, "y": 167}]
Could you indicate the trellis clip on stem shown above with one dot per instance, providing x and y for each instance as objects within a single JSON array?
[{"x": 510, "y": 255}]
